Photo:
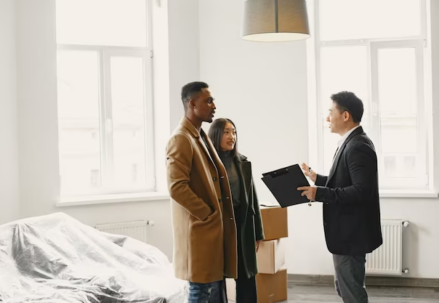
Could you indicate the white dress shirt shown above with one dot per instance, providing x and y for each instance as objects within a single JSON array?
[{"x": 343, "y": 139}]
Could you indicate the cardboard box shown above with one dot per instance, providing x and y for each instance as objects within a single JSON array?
[
  {"x": 272, "y": 287},
  {"x": 271, "y": 256},
  {"x": 275, "y": 222}
]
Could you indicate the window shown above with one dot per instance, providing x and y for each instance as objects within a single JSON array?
[
  {"x": 104, "y": 97},
  {"x": 376, "y": 49}
]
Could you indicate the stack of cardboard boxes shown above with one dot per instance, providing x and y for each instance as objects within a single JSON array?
[{"x": 271, "y": 281}]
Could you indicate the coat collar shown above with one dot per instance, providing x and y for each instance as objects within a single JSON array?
[
  {"x": 186, "y": 123},
  {"x": 213, "y": 157},
  {"x": 345, "y": 136},
  {"x": 357, "y": 131},
  {"x": 245, "y": 170},
  {"x": 241, "y": 158}
]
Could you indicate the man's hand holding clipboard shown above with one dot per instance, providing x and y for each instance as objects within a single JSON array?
[
  {"x": 309, "y": 191},
  {"x": 283, "y": 184}
]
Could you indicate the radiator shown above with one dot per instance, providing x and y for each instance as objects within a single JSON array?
[
  {"x": 387, "y": 259},
  {"x": 135, "y": 229}
]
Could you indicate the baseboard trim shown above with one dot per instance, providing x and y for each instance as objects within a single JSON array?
[{"x": 370, "y": 281}]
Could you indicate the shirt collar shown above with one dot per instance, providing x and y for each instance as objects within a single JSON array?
[{"x": 345, "y": 136}]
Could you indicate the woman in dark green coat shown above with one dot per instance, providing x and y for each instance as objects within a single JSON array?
[{"x": 245, "y": 204}]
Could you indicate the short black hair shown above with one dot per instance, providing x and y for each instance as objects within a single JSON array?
[
  {"x": 348, "y": 101},
  {"x": 190, "y": 89},
  {"x": 216, "y": 132}
]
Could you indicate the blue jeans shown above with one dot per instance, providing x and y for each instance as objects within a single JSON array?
[{"x": 207, "y": 293}]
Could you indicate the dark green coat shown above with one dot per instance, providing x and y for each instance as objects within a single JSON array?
[{"x": 251, "y": 223}]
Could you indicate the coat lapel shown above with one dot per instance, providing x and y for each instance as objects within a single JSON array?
[
  {"x": 194, "y": 132},
  {"x": 333, "y": 169},
  {"x": 204, "y": 147},
  {"x": 244, "y": 169}
]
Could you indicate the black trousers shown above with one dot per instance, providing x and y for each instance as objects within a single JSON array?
[
  {"x": 245, "y": 287},
  {"x": 349, "y": 278}
]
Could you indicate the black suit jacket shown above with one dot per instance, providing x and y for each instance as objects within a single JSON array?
[{"x": 351, "y": 210}]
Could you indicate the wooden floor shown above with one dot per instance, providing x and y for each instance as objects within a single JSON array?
[{"x": 327, "y": 294}]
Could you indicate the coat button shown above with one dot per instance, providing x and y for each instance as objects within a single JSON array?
[
  {"x": 231, "y": 218},
  {"x": 219, "y": 200},
  {"x": 228, "y": 198},
  {"x": 214, "y": 178}
]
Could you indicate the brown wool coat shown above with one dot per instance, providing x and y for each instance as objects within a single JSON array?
[{"x": 203, "y": 220}]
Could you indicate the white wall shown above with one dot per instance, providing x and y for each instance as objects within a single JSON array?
[
  {"x": 263, "y": 88},
  {"x": 37, "y": 110},
  {"x": 9, "y": 194},
  {"x": 37, "y": 117}
]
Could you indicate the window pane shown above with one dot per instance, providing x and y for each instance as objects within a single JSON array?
[
  {"x": 399, "y": 143},
  {"x": 128, "y": 107},
  {"x": 400, "y": 166},
  {"x": 342, "y": 69},
  {"x": 101, "y": 22},
  {"x": 397, "y": 82},
  {"x": 399, "y": 136},
  {"x": 397, "y": 94},
  {"x": 78, "y": 114},
  {"x": 361, "y": 19}
]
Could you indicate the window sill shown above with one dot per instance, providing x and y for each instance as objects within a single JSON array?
[
  {"x": 398, "y": 193},
  {"x": 110, "y": 199}
]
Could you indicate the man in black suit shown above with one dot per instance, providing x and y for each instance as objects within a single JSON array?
[{"x": 351, "y": 209}]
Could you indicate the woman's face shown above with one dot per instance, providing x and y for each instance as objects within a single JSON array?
[{"x": 228, "y": 139}]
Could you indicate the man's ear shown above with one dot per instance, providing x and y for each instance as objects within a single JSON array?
[{"x": 346, "y": 115}]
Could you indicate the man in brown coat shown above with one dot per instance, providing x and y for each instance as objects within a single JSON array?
[{"x": 202, "y": 211}]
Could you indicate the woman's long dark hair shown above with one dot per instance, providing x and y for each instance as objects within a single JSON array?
[{"x": 216, "y": 133}]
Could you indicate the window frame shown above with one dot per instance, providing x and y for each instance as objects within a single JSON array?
[
  {"x": 105, "y": 53},
  {"x": 422, "y": 129},
  {"x": 315, "y": 105}
]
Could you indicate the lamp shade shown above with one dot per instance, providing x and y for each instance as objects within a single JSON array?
[{"x": 275, "y": 20}]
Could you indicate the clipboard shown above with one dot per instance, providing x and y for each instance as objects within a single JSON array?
[{"x": 283, "y": 184}]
